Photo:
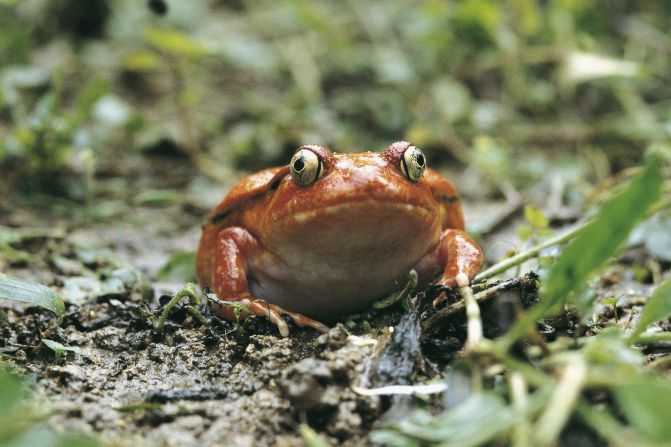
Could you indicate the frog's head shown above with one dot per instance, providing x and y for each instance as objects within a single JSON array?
[{"x": 371, "y": 200}]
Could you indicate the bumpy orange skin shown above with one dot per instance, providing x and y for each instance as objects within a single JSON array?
[{"x": 334, "y": 247}]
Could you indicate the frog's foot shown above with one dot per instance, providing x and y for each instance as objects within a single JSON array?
[{"x": 274, "y": 313}]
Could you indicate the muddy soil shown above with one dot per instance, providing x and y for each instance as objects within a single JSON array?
[{"x": 224, "y": 383}]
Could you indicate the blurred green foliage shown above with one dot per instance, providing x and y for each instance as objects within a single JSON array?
[
  {"x": 244, "y": 83},
  {"x": 21, "y": 421}
]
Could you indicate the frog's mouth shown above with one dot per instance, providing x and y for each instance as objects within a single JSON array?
[
  {"x": 358, "y": 229},
  {"x": 358, "y": 208},
  {"x": 354, "y": 207}
]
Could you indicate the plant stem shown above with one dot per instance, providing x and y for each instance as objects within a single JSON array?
[
  {"x": 520, "y": 400},
  {"x": 193, "y": 310},
  {"x": 656, "y": 337},
  {"x": 519, "y": 258},
  {"x": 474, "y": 322},
  {"x": 560, "y": 407},
  {"x": 188, "y": 291}
]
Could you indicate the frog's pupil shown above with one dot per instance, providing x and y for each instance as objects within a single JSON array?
[
  {"x": 299, "y": 164},
  {"x": 420, "y": 159}
]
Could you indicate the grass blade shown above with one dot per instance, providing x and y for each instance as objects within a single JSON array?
[
  {"x": 646, "y": 403},
  {"x": 23, "y": 291},
  {"x": 58, "y": 348},
  {"x": 657, "y": 308},
  {"x": 594, "y": 245}
]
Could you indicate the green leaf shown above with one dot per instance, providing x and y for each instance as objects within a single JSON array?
[
  {"x": 181, "y": 266},
  {"x": 594, "y": 245},
  {"x": 92, "y": 91},
  {"x": 142, "y": 61},
  {"x": 657, "y": 308},
  {"x": 45, "y": 437},
  {"x": 524, "y": 232},
  {"x": 174, "y": 42},
  {"x": 610, "y": 360},
  {"x": 392, "y": 439},
  {"x": 311, "y": 438},
  {"x": 156, "y": 197},
  {"x": 58, "y": 348},
  {"x": 10, "y": 390},
  {"x": 15, "y": 289},
  {"x": 535, "y": 217},
  {"x": 646, "y": 403},
  {"x": 475, "y": 421},
  {"x": 602, "y": 238}
]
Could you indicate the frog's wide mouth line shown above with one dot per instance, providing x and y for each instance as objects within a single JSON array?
[{"x": 358, "y": 207}]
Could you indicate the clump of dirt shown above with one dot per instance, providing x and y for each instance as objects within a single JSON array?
[{"x": 320, "y": 387}]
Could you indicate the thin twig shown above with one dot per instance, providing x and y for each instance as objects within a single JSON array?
[{"x": 480, "y": 297}]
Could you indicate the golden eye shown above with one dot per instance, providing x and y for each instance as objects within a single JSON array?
[
  {"x": 306, "y": 167},
  {"x": 413, "y": 163}
]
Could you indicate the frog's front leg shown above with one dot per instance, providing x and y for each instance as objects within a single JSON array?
[
  {"x": 459, "y": 257},
  {"x": 235, "y": 246}
]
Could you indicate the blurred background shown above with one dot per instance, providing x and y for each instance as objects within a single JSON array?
[
  {"x": 127, "y": 113},
  {"x": 122, "y": 122}
]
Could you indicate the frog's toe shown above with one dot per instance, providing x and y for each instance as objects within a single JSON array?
[
  {"x": 261, "y": 308},
  {"x": 439, "y": 299},
  {"x": 274, "y": 313},
  {"x": 302, "y": 320},
  {"x": 278, "y": 321}
]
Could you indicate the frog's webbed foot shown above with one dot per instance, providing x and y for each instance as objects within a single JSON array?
[{"x": 274, "y": 313}]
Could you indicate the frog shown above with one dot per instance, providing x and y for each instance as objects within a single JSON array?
[{"x": 331, "y": 233}]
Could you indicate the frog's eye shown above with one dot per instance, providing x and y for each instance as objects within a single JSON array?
[
  {"x": 306, "y": 167},
  {"x": 413, "y": 163}
]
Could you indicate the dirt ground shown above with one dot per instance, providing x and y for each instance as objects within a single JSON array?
[{"x": 224, "y": 384}]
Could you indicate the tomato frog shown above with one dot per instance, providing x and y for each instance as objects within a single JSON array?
[{"x": 329, "y": 234}]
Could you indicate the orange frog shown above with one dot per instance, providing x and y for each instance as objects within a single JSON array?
[{"x": 331, "y": 233}]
